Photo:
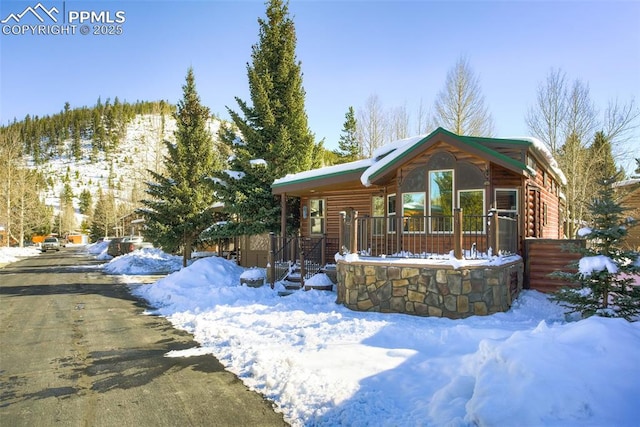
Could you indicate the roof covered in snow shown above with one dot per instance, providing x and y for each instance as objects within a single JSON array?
[
  {"x": 627, "y": 182},
  {"x": 388, "y": 158}
]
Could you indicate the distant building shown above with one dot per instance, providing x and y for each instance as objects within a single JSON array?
[{"x": 629, "y": 192}]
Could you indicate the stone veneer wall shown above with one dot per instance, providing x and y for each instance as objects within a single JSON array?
[{"x": 437, "y": 290}]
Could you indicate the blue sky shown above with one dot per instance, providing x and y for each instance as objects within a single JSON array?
[{"x": 399, "y": 50}]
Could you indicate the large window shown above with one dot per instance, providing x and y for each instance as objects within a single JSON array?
[
  {"x": 377, "y": 212},
  {"x": 413, "y": 212},
  {"x": 317, "y": 216},
  {"x": 472, "y": 204},
  {"x": 441, "y": 201},
  {"x": 391, "y": 213}
]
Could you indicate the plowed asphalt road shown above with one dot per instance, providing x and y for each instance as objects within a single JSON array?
[{"x": 77, "y": 350}]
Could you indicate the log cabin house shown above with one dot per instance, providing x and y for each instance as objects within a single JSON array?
[
  {"x": 424, "y": 197},
  {"x": 414, "y": 186}
]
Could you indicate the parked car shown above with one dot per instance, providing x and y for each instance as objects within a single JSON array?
[
  {"x": 114, "y": 247},
  {"x": 123, "y": 245},
  {"x": 131, "y": 243},
  {"x": 50, "y": 244}
]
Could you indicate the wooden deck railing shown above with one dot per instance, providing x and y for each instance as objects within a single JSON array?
[{"x": 468, "y": 236}]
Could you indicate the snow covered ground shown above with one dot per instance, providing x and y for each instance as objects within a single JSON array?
[{"x": 323, "y": 364}]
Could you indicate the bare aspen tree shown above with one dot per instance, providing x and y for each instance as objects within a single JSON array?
[
  {"x": 21, "y": 211},
  {"x": 547, "y": 116},
  {"x": 578, "y": 127},
  {"x": 398, "y": 123},
  {"x": 620, "y": 121},
  {"x": 371, "y": 126},
  {"x": 27, "y": 212},
  {"x": 459, "y": 106},
  {"x": 575, "y": 161},
  {"x": 67, "y": 219},
  {"x": 581, "y": 117},
  {"x": 423, "y": 122},
  {"x": 566, "y": 120},
  {"x": 10, "y": 158}
]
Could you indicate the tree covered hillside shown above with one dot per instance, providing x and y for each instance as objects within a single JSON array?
[{"x": 80, "y": 167}]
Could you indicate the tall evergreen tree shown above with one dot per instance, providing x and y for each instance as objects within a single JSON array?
[
  {"x": 66, "y": 195},
  {"x": 272, "y": 129},
  {"x": 605, "y": 165},
  {"x": 349, "y": 147},
  {"x": 85, "y": 202},
  {"x": 605, "y": 271},
  {"x": 181, "y": 202}
]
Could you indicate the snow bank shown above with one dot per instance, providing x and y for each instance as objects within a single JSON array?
[
  {"x": 205, "y": 283},
  {"x": 144, "y": 261},
  {"x": 9, "y": 255}
]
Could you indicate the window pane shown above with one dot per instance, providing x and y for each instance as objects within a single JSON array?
[
  {"x": 316, "y": 207},
  {"x": 391, "y": 204},
  {"x": 413, "y": 212},
  {"x": 391, "y": 213},
  {"x": 316, "y": 222},
  {"x": 441, "y": 200},
  {"x": 317, "y": 226},
  {"x": 377, "y": 212},
  {"x": 506, "y": 200},
  {"x": 472, "y": 204},
  {"x": 377, "y": 206}
]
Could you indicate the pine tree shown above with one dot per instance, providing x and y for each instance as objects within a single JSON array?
[
  {"x": 66, "y": 195},
  {"x": 271, "y": 137},
  {"x": 605, "y": 165},
  {"x": 349, "y": 147},
  {"x": 85, "y": 202},
  {"x": 181, "y": 202},
  {"x": 604, "y": 276}
]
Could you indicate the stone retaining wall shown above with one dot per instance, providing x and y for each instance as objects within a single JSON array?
[{"x": 423, "y": 290}]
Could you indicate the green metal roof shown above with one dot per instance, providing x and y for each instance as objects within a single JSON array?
[{"x": 471, "y": 141}]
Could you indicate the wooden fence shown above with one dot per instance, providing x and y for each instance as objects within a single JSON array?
[{"x": 545, "y": 256}]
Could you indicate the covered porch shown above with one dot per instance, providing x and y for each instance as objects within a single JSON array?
[{"x": 460, "y": 237}]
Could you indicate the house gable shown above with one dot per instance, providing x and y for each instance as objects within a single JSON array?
[
  {"x": 509, "y": 154},
  {"x": 382, "y": 171}
]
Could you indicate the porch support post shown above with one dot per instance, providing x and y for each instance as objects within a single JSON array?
[
  {"x": 457, "y": 233},
  {"x": 323, "y": 249},
  {"x": 354, "y": 233},
  {"x": 271, "y": 261},
  {"x": 493, "y": 231},
  {"x": 303, "y": 270},
  {"x": 399, "y": 232},
  {"x": 283, "y": 223},
  {"x": 343, "y": 216}
]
